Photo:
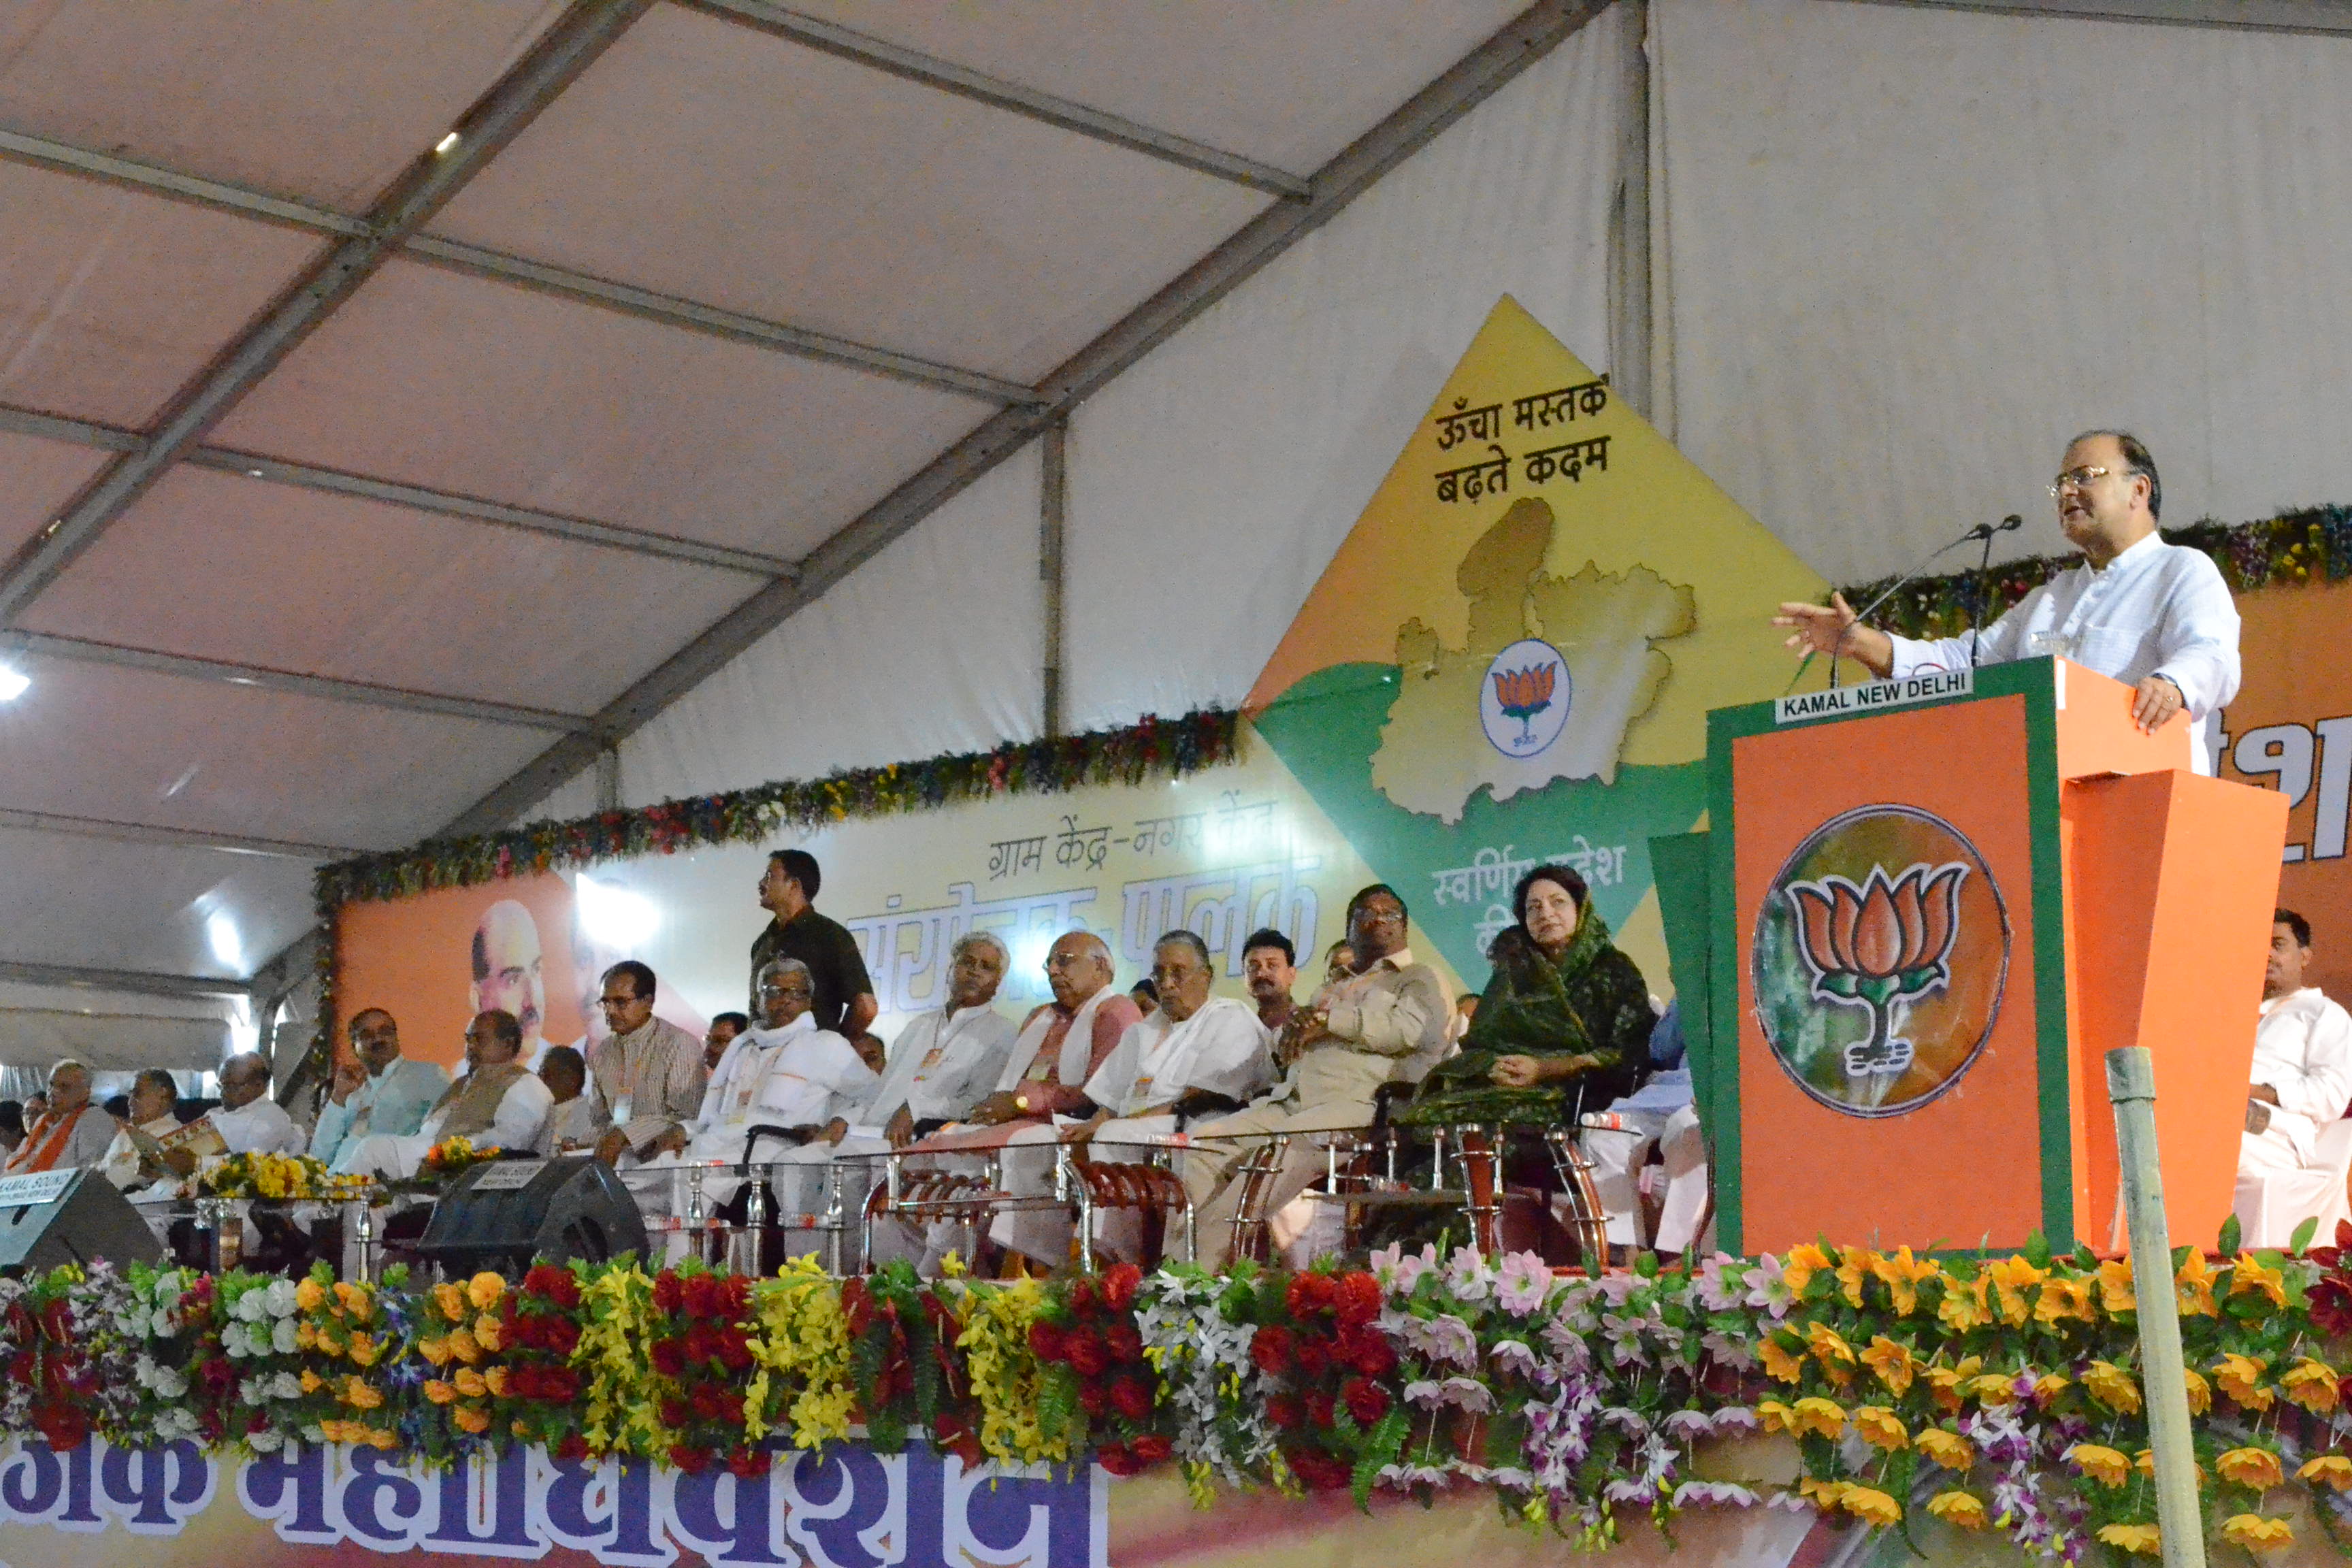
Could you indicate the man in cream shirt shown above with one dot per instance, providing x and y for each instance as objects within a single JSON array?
[
  {"x": 1384, "y": 1020},
  {"x": 2302, "y": 1079}
]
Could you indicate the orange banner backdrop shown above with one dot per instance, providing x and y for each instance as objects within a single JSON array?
[{"x": 2291, "y": 730}]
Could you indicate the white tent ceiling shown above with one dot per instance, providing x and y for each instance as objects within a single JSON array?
[
  {"x": 343, "y": 469},
  {"x": 399, "y": 403}
]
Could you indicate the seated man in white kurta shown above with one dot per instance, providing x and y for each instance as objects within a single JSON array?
[
  {"x": 1197, "y": 1058},
  {"x": 498, "y": 1104},
  {"x": 2302, "y": 1079},
  {"x": 789, "y": 1073}
]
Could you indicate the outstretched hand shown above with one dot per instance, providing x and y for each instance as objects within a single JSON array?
[{"x": 1816, "y": 628}]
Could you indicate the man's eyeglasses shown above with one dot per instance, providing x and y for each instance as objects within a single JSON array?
[{"x": 2076, "y": 479}]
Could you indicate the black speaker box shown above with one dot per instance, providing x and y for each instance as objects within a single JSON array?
[
  {"x": 51, "y": 1218},
  {"x": 503, "y": 1214}
]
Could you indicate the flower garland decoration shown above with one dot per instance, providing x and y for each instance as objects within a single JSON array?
[
  {"x": 283, "y": 1177},
  {"x": 804, "y": 1357},
  {"x": 701, "y": 1346},
  {"x": 1007, "y": 1383},
  {"x": 2001, "y": 1393},
  {"x": 2312, "y": 544},
  {"x": 462, "y": 1327},
  {"x": 1094, "y": 1385}
]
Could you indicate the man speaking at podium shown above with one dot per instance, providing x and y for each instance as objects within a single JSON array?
[{"x": 2155, "y": 617}]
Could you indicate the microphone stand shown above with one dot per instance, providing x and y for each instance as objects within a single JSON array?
[
  {"x": 1977, "y": 601},
  {"x": 1982, "y": 530}
]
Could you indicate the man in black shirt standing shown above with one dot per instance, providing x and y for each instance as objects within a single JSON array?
[{"x": 845, "y": 993}]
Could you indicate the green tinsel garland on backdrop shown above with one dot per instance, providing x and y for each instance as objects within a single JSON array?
[
  {"x": 2309, "y": 545},
  {"x": 1153, "y": 747}
]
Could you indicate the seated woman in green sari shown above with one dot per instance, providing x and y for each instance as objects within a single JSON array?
[{"x": 1564, "y": 1025}]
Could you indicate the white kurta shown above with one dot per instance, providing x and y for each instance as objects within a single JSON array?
[
  {"x": 2155, "y": 609},
  {"x": 797, "y": 1076},
  {"x": 943, "y": 1064},
  {"x": 2303, "y": 1049},
  {"x": 1220, "y": 1049},
  {"x": 257, "y": 1127}
]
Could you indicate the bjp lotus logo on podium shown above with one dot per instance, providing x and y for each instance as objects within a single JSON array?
[
  {"x": 1880, "y": 955},
  {"x": 1523, "y": 706}
]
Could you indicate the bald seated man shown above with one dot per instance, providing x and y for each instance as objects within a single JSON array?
[{"x": 247, "y": 1119}]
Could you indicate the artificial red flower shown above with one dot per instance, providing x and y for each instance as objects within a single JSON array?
[
  {"x": 1366, "y": 1401},
  {"x": 857, "y": 1306},
  {"x": 1084, "y": 1349},
  {"x": 1270, "y": 1347},
  {"x": 674, "y": 1412},
  {"x": 1093, "y": 1398},
  {"x": 1319, "y": 1409},
  {"x": 1115, "y": 1458},
  {"x": 574, "y": 1447},
  {"x": 667, "y": 1293},
  {"x": 1151, "y": 1448},
  {"x": 701, "y": 1344},
  {"x": 1045, "y": 1341},
  {"x": 1314, "y": 1353},
  {"x": 1120, "y": 1284},
  {"x": 2331, "y": 1305},
  {"x": 1358, "y": 1298},
  {"x": 1125, "y": 1341},
  {"x": 1321, "y": 1471},
  {"x": 734, "y": 1297},
  {"x": 748, "y": 1464},
  {"x": 1309, "y": 1294},
  {"x": 1131, "y": 1398},
  {"x": 1282, "y": 1411},
  {"x": 735, "y": 1349},
  {"x": 700, "y": 1296},
  {"x": 562, "y": 1336},
  {"x": 1368, "y": 1351},
  {"x": 688, "y": 1458},
  {"x": 1081, "y": 1297},
  {"x": 669, "y": 1357},
  {"x": 704, "y": 1398}
]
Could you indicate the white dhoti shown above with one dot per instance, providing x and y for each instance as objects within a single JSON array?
[
  {"x": 1617, "y": 1159},
  {"x": 1026, "y": 1163},
  {"x": 1129, "y": 1140},
  {"x": 2291, "y": 1171}
]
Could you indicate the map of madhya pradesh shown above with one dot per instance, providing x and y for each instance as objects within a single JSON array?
[{"x": 1448, "y": 735}]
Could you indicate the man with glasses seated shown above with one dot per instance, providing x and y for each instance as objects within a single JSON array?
[
  {"x": 1384, "y": 1018},
  {"x": 2155, "y": 617},
  {"x": 788, "y": 1074},
  {"x": 646, "y": 1073}
]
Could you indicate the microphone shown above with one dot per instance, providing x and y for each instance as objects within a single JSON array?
[
  {"x": 1975, "y": 600},
  {"x": 1984, "y": 531}
]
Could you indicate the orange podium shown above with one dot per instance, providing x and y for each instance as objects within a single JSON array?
[{"x": 1933, "y": 905}]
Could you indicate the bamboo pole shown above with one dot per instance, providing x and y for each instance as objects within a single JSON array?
[{"x": 2131, "y": 1087}]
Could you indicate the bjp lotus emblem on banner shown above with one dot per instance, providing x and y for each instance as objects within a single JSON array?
[
  {"x": 1880, "y": 953},
  {"x": 1524, "y": 705}
]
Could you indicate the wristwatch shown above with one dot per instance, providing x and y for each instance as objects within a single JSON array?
[{"x": 1021, "y": 1101}]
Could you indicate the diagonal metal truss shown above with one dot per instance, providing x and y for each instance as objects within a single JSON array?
[
  {"x": 264, "y": 677},
  {"x": 964, "y": 82},
  {"x": 1470, "y": 82},
  {"x": 416, "y": 498},
  {"x": 781, "y": 337},
  {"x": 171, "y": 838},
  {"x": 2255, "y": 15},
  {"x": 586, "y": 29},
  {"x": 138, "y": 982}
]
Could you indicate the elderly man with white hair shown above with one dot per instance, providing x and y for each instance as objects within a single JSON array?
[
  {"x": 1196, "y": 1056},
  {"x": 71, "y": 1132},
  {"x": 788, "y": 1074}
]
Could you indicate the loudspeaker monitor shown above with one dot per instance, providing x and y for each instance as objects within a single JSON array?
[
  {"x": 52, "y": 1217},
  {"x": 503, "y": 1214}
]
